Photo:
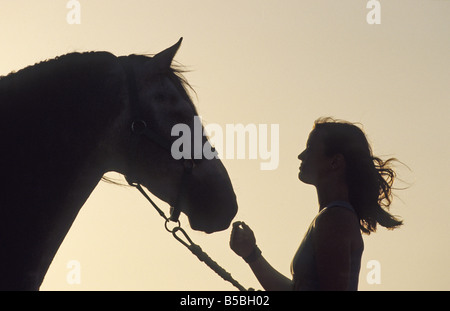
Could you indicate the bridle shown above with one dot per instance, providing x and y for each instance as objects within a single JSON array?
[{"x": 139, "y": 130}]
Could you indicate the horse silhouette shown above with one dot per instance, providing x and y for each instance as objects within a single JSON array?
[{"x": 65, "y": 122}]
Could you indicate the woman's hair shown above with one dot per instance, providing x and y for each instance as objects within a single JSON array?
[{"x": 369, "y": 178}]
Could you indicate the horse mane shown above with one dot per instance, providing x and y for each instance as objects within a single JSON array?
[
  {"x": 64, "y": 73},
  {"x": 56, "y": 109},
  {"x": 69, "y": 87},
  {"x": 88, "y": 69},
  {"x": 43, "y": 101}
]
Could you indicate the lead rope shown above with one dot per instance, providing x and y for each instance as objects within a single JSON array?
[{"x": 189, "y": 244}]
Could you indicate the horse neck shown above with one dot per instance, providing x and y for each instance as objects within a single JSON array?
[
  {"x": 50, "y": 165},
  {"x": 34, "y": 227}
]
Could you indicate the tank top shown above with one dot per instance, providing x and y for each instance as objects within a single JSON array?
[{"x": 303, "y": 267}]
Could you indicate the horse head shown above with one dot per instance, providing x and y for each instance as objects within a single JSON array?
[{"x": 157, "y": 100}]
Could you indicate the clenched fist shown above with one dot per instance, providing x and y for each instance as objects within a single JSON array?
[{"x": 242, "y": 240}]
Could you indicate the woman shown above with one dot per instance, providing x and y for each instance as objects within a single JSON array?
[{"x": 354, "y": 193}]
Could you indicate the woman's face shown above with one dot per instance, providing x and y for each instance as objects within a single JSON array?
[{"x": 315, "y": 164}]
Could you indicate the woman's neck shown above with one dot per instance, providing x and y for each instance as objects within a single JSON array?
[{"x": 331, "y": 192}]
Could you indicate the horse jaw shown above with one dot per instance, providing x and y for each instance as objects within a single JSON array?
[{"x": 211, "y": 204}]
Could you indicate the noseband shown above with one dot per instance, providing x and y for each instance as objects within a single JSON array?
[{"x": 139, "y": 130}]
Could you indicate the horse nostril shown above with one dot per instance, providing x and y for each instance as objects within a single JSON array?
[{"x": 138, "y": 127}]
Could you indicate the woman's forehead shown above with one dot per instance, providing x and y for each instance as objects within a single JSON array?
[{"x": 314, "y": 136}]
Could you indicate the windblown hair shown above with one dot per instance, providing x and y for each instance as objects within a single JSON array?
[{"x": 369, "y": 178}]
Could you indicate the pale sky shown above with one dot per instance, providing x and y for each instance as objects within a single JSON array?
[{"x": 265, "y": 62}]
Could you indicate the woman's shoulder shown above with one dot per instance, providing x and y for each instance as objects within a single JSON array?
[{"x": 337, "y": 218}]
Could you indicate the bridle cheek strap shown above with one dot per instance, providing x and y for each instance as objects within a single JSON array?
[
  {"x": 187, "y": 173},
  {"x": 139, "y": 129}
]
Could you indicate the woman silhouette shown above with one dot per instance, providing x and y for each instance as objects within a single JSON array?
[{"x": 354, "y": 193}]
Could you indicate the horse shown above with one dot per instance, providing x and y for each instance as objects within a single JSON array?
[{"x": 67, "y": 121}]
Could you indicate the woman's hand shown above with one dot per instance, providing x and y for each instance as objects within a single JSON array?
[
  {"x": 243, "y": 243},
  {"x": 242, "y": 240}
]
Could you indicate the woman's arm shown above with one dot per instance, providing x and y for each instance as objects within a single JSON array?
[
  {"x": 269, "y": 278},
  {"x": 243, "y": 243}
]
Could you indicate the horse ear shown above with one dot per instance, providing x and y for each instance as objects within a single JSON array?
[{"x": 164, "y": 58}]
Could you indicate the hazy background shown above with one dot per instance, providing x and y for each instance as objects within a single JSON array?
[{"x": 265, "y": 62}]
